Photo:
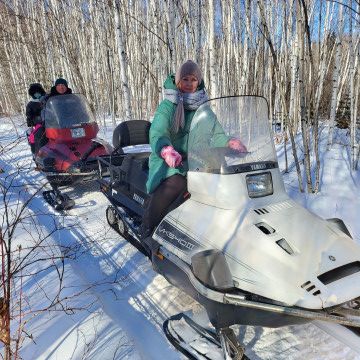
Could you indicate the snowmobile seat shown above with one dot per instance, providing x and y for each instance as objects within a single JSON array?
[
  {"x": 129, "y": 133},
  {"x": 132, "y": 132},
  {"x": 133, "y": 166}
]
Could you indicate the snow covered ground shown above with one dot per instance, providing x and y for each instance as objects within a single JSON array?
[{"x": 123, "y": 301}]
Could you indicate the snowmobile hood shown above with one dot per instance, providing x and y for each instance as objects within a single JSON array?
[
  {"x": 69, "y": 154},
  {"x": 269, "y": 250}
]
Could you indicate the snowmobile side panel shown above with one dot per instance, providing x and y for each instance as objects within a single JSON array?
[
  {"x": 244, "y": 301},
  {"x": 123, "y": 200},
  {"x": 211, "y": 268},
  {"x": 220, "y": 314}
]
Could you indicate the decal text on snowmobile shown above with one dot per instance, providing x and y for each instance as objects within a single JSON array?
[
  {"x": 175, "y": 237},
  {"x": 138, "y": 199},
  {"x": 258, "y": 167},
  {"x": 181, "y": 241}
]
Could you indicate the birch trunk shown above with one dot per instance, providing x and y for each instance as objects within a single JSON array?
[
  {"x": 352, "y": 74},
  {"x": 335, "y": 79},
  {"x": 214, "y": 91},
  {"x": 245, "y": 73},
  {"x": 293, "y": 113},
  {"x": 170, "y": 18},
  {"x": 122, "y": 60},
  {"x": 198, "y": 32},
  {"x": 304, "y": 103}
]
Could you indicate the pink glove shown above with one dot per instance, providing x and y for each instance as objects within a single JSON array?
[
  {"x": 171, "y": 156},
  {"x": 236, "y": 144}
]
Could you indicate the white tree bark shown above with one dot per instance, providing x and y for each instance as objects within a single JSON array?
[
  {"x": 122, "y": 60},
  {"x": 335, "y": 79},
  {"x": 170, "y": 18},
  {"x": 245, "y": 72},
  {"x": 214, "y": 91},
  {"x": 353, "y": 96},
  {"x": 198, "y": 31}
]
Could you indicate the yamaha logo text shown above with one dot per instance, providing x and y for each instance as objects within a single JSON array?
[{"x": 138, "y": 199}]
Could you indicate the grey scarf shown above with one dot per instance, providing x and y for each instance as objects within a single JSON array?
[{"x": 188, "y": 101}]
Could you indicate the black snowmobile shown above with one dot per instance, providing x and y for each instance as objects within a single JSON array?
[
  {"x": 235, "y": 241},
  {"x": 126, "y": 186}
]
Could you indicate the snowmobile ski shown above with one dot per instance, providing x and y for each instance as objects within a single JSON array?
[
  {"x": 57, "y": 200},
  {"x": 197, "y": 342}
]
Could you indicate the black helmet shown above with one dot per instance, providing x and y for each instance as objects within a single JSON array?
[{"x": 36, "y": 88}]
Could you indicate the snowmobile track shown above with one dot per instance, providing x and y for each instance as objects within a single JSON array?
[{"x": 128, "y": 237}]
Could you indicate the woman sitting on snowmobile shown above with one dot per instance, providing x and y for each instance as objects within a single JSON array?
[
  {"x": 33, "y": 114},
  {"x": 183, "y": 93}
]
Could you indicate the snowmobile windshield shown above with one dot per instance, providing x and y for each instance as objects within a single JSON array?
[
  {"x": 218, "y": 121},
  {"x": 67, "y": 111}
]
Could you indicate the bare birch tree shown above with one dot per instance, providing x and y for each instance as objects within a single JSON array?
[
  {"x": 122, "y": 60},
  {"x": 335, "y": 79},
  {"x": 211, "y": 43}
]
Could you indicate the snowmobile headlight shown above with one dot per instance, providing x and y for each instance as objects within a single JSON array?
[{"x": 259, "y": 185}]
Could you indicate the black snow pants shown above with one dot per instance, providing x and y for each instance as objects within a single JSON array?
[{"x": 160, "y": 200}]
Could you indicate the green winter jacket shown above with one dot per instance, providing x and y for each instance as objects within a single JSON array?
[{"x": 161, "y": 135}]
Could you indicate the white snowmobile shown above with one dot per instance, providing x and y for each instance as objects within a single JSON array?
[{"x": 236, "y": 242}]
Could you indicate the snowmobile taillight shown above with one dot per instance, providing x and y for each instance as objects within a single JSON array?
[{"x": 259, "y": 185}]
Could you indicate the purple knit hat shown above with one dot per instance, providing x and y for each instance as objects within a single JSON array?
[{"x": 188, "y": 68}]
